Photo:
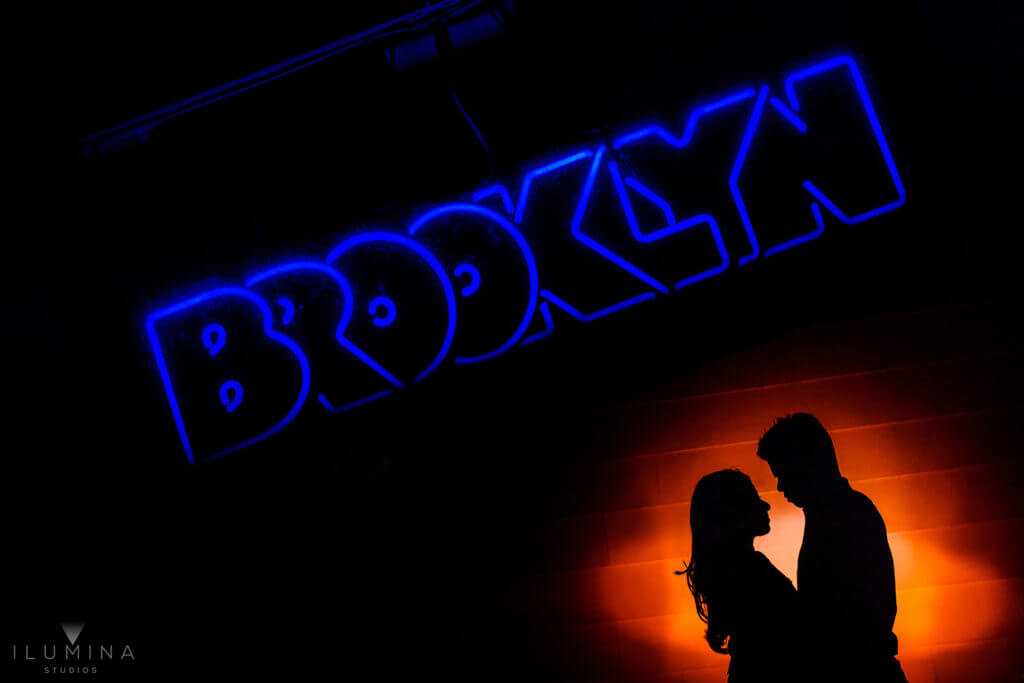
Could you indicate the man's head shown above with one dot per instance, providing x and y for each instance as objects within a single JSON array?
[{"x": 801, "y": 455}]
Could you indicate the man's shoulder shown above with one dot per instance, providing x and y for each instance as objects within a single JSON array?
[{"x": 861, "y": 510}]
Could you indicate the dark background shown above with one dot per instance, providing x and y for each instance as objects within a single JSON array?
[{"x": 357, "y": 543}]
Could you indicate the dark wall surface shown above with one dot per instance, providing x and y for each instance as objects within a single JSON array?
[{"x": 485, "y": 524}]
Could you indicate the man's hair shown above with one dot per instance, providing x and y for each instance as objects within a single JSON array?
[{"x": 799, "y": 438}]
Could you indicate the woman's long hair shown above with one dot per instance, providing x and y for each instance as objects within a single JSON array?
[{"x": 711, "y": 509}]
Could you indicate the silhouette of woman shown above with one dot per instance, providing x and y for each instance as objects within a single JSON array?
[{"x": 749, "y": 606}]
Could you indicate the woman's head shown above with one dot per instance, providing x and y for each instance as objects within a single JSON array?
[
  {"x": 726, "y": 512},
  {"x": 725, "y": 515}
]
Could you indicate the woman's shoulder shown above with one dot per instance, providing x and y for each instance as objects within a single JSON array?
[{"x": 763, "y": 571}]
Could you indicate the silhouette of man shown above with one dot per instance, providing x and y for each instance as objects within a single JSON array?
[{"x": 845, "y": 577}]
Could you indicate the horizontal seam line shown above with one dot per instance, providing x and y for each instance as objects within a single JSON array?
[
  {"x": 902, "y": 653},
  {"x": 919, "y": 473},
  {"x": 838, "y": 430},
  {"x": 1014, "y": 518},
  {"x": 902, "y": 590},
  {"x": 826, "y": 378}
]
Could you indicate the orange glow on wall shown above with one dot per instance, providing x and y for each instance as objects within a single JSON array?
[{"x": 931, "y": 444}]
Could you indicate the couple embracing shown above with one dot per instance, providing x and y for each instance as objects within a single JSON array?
[{"x": 838, "y": 625}]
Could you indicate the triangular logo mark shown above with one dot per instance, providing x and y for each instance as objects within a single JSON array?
[{"x": 72, "y": 631}]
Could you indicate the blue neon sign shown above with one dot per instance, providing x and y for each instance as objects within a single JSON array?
[{"x": 589, "y": 234}]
